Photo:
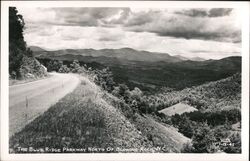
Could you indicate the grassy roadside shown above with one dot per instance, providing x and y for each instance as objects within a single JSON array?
[
  {"x": 82, "y": 119},
  {"x": 86, "y": 121}
]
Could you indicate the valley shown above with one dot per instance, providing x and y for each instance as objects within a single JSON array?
[
  {"x": 165, "y": 71},
  {"x": 134, "y": 105},
  {"x": 185, "y": 94}
]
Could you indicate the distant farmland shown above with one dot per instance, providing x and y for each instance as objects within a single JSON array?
[{"x": 179, "y": 108}]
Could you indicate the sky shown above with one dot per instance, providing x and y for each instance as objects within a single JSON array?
[{"x": 210, "y": 33}]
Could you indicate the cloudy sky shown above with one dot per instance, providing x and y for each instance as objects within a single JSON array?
[{"x": 205, "y": 32}]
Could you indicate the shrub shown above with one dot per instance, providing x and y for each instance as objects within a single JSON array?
[
  {"x": 187, "y": 148},
  {"x": 64, "y": 69},
  {"x": 235, "y": 147},
  {"x": 75, "y": 66},
  {"x": 104, "y": 78},
  {"x": 203, "y": 139},
  {"x": 30, "y": 66},
  {"x": 54, "y": 65}
]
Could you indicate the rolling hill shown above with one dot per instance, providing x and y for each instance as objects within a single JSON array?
[
  {"x": 148, "y": 71},
  {"x": 192, "y": 58},
  {"x": 197, "y": 59},
  {"x": 224, "y": 94},
  {"x": 121, "y": 54},
  {"x": 181, "y": 57},
  {"x": 36, "y": 49}
]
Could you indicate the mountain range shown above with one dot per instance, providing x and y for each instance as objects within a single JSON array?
[
  {"x": 146, "y": 70},
  {"x": 121, "y": 54}
]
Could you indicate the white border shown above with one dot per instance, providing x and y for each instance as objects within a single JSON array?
[{"x": 244, "y": 6}]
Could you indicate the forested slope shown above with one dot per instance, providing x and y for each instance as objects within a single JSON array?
[
  {"x": 22, "y": 63},
  {"x": 212, "y": 96},
  {"x": 150, "y": 76}
]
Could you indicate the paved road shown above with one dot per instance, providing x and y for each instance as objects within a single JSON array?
[{"x": 29, "y": 100}]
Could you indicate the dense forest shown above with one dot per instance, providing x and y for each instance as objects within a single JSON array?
[
  {"x": 206, "y": 127},
  {"x": 212, "y": 96},
  {"x": 22, "y": 63},
  {"x": 152, "y": 77}
]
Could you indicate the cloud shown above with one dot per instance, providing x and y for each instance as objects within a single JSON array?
[
  {"x": 215, "y": 24},
  {"x": 76, "y": 16},
  {"x": 106, "y": 34},
  {"x": 79, "y": 37},
  {"x": 70, "y": 38},
  {"x": 119, "y": 18},
  {"x": 198, "y": 26},
  {"x": 142, "y": 18},
  {"x": 193, "y": 12},
  {"x": 159, "y": 30},
  {"x": 218, "y": 12},
  {"x": 203, "y": 12},
  {"x": 91, "y": 16},
  {"x": 109, "y": 38}
]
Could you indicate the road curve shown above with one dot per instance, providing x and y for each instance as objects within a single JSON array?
[{"x": 29, "y": 100}]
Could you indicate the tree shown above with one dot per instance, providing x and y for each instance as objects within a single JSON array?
[
  {"x": 17, "y": 45},
  {"x": 54, "y": 65},
  {"x": 22, "y": 64},
  {"x": 136, "y": 93},
  {"x": 75, "y": 66},
  {"x": 186, "y": 126},
  {"x": 82, "y": 69},
  {"x": 29, "y": 53},
  {"x": 121, "y": 91},
  {"x": 104, "y": 78},
  {"x": 135, "y": 98},
  {"x": 64, "y": 69},
  {"x": 235, "y": 146},
  {"x": 187, "y": 148},
  {"x": 204, "y": 139}
]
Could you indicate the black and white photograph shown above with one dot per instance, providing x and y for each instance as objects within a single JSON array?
[{"x": 125, "y": 79}]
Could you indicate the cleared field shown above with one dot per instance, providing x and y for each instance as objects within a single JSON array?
[{"x": 179, "y": 108}]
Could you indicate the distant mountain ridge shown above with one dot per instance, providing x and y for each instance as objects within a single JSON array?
[
  {"x": 192, "y": 58},
  {"x": 197, "y": 59},
  {"x": 147, "y": 71},
  {"x": 36, "y": 48},
  {"x": 121, "y": 54},
  {"x": 181, "y": 57}
]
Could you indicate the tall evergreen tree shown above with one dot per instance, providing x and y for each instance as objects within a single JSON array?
[{"x": 17, "y": 45}]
